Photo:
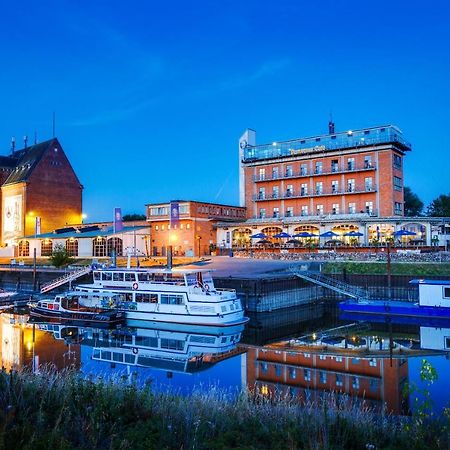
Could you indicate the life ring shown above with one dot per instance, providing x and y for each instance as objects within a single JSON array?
[
  {"x": 135, "y": 350},
  {"x": 206, "y": 286},
  {"x": 135, "y": 286}
]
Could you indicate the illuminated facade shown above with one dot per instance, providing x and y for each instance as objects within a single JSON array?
[
  {"x": 38, "y": 182},
  {"x": 194, "y": 234}
]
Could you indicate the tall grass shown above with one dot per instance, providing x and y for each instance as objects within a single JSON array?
[{"x": 64, "y": 411}]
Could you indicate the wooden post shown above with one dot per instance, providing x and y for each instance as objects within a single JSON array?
[
  {"x": 34, "y": 268},
  {"x": 169, "y": 257},
  {"x": 388, "y": 268}
]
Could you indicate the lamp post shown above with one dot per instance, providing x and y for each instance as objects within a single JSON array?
[{"x": 199, "y": 238}]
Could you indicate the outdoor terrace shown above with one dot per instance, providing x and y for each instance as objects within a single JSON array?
[{"x": 388, "y": 134}]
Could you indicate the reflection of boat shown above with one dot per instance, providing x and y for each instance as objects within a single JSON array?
[
  {"x": 434, "y": 302},
  {"x": 435, "y": 338},
  {"x": 67, "y": 307},
  {"x": 178, "y": 296},
  {"x": 171, "y": 350}
]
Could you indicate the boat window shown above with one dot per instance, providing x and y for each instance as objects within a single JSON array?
[
  {"x": 106, "y": 355},
  {"x": 224, "y": 308},
  {"x": 96, "y": 353},
  {"x": 130, "y": 276},
  {"x": 144, "y": 276},
  {"x": 147, "y": 298},
  {"x": 44, "y": 305},
  {"x": 118, "y": 357},
  {"x": 171, "y": 299},
  {"x": 97, "y": 276},
  {"x": 172, "y": 344},
  {"x": 106, "y": 276},
  {"x": 128, "y": 297},
  {"x": 447, "y": 292},
  {"x": 129, "y": 359},
  {"x": 146, "y": 341},
  {"x": 118, "y": 276},
  {"x": 191, "y": 279}
]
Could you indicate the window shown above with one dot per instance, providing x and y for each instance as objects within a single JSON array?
[
  {"x": 319, "y": 209},
  {"x": 446, "y": 292},
  {"x": 338, "y": 359},
  {"x": 97, "y": 276},
  {"x": 171, "y": 299},
  {"x": 188, "y": 226},
  {"x": 289, "y": 190},
  {"x": 374, "y": 385},
  {"x": 24, "y": 248},
  {"x": 318, "y": 167},
  {"x": 369, "y": 207},
  {"x": 319, "y": 187},
  {"x": 46, "y": 247},
  {"x": 156, "y": 228},
  {"x": 398, "y": 185},
  {"x": 264, "y": 367},
  {"x": 356, "y": 360},
  {"x": 277, "y": 370},
  {"x": 275, "y": 191},
  {"x": 351, "y": 164},
  {"x": 290, "y": 211},
  {"x": 323, "y": 357},
  {"x": 146, "y": 298},
  {"x": 160, "y": 211},
  {"x": 367, "y": 162},
  {"x": 99, "y": 247},
  {"x": 352, "y": 208},
  {"x": 334, "y": 165},
  {"x": 262, "y": 174},
  {"x": 368, "y": 183},
  {"x": 289, "y": 171},
  {"x": 172, "y": 344},
  {"x": 262, "y": 213},
  {"x": 372, "y": 362},
  {"x": 304, "y": 169},
  {"x": 72, "y": 247},
  {"x": 397, "y": 160},
  {"x": 115, "y": 244},
  {"x": 129, "y": 276},
  {"x": 262, "y": 193},
  {"x": 397, "y": 208},
  {"x": 276, "y": 212},
  {"x": 334, "y": 186},
  {"x": 355, "y": 383},
  {"x": 118, "y": 276},
  {"x": 292, "y": 373},
  {"x": 351, "y": 185},
  {"x": 304, "y": 210},
  {"x": 339, "y": 380},
  {"x": 335, "y": 209},
  {"x": 274, "y": 172},
  {"x": 323, "y": 377},
  {"x": 304, "y": 189},
  {"x": 163, "y": 227},
  {"x": 106, "y": 276},
  {"x": 307, "y": 374}
]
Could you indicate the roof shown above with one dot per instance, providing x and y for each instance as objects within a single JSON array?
[
  {"x": 26, "y": 160},
  {"x": 103, "y": 232},
  {"x": 434, "y": 282}
]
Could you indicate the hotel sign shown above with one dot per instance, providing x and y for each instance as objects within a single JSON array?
[{"x": 299, "y": 151}]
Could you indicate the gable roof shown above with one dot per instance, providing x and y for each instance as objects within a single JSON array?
[{"x": 27, "y": 159}]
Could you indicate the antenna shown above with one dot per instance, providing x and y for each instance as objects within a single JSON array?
[
  {"x": 331, "y": 124},
  {"x": 13, "y": 145},
  {"x": 54, "y": 123},
  {"x": 35, "y": 137}
]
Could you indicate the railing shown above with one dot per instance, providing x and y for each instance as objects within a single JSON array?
[
  {"x": 300, "y": 174},
  {"x": 65, "y": 279},
  {"x": 327, "y": 192},
  {"x": 318, "y": 144},
  {"x": 318, "y": 216}
]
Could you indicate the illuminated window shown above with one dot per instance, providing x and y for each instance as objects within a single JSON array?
[
  {"x": 72, "y": 247},
  {"x": 116, "y": 244},
  {"x": 24, "y": 248},
  {"x": 156, "y": 227},
  {"x": 46, "y": 247},
  {"x": 99, "y": 247},
  {"x": 188, "y": 225}
]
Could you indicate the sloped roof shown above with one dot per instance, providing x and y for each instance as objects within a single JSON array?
[{"x": 27, "y": 159}]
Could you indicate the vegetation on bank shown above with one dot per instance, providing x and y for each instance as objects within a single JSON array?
[
  {"x": 380, "y": 268},
  {"x": 64, "y": 411}
]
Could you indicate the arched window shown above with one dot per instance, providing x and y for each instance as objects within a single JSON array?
[
  {"x": 270, "y": 231},
  {"x": 307, "y": 229},
  {"x": 99, "y": 247},
  {"x": 241, "y": 237},
  {"x": 72, "y": 247},
  {"x": 116, "y": 244},
  {"x": 24, "y": 248},
  {"x": 46, "y": 247}
]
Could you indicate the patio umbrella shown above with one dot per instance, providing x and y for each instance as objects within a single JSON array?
[
  {"x": 293, "y": 241},
  {"x": 282, "y": 235},
  {"x": 329, "y": 234},
  {"x": 353, "y": 234},
  {"x": 259, "y": 236},
  {"x": 404, "y": 233},
  {"x": 263, "y": 241},
  {"x": 304, "y": 234}
]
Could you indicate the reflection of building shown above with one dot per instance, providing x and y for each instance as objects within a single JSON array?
[
  {"x": 38, "y": 181},
  {"x": 194, "y": 234},
  {"x": 20, "y": 343},
  {"x": 305, "y": 376}
]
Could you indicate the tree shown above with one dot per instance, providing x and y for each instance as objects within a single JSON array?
[
  {"x": 413, "y": 204},
  {"x": 440, "y": 207},
  {"x": 133, "y": 217},
  {"x": 60, "y": 257}
]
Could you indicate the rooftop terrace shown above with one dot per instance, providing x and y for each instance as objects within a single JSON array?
[{"x": 387, "y": 134}]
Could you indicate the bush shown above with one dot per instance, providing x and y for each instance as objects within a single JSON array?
[{"x": 60, "y": 257}]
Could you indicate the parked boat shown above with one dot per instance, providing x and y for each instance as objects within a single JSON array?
[
  {"x": 69, "y": 308},
  {"x": 434, "y": 302},
  {"x": 168, "y": 295}
]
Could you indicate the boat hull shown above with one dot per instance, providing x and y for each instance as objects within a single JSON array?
[{"x": 107, "y": 317}]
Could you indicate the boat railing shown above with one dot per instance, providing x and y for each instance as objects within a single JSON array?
[{"x": 231, "y": 291}]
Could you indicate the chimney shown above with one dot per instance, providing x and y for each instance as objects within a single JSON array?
[
  {"x": 13, "y": 145},
  {"x": 331, "y": 127},
  {"x": 25, "y": 141}
]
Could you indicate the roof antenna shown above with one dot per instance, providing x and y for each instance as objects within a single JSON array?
[
  {"x": 331, "y": 125},
  {"x": 54, "y": 123},
  {"x": 13, "y": 145},
  {"x": 25, "y": 141}
]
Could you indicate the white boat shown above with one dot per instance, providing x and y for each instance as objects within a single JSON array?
[{"x": 169, "y": 295}]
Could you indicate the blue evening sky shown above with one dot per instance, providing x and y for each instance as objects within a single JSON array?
[{"x": 151, "y": 97}]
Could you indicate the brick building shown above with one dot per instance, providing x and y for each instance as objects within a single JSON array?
[
  {"x": 352, "y": 172},
  {"x": 38, "y": 181},
  {"x": 194, "y": 235}
]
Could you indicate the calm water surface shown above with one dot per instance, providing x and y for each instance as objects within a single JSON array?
[{"x": 301, "y": 352}]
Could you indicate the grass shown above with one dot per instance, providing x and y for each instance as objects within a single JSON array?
[
  {"x": 379, "y": 268},
  {"x": 63, "y": 411}
]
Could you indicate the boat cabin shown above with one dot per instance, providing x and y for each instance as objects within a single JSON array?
[{"x": 433, "y": 292}]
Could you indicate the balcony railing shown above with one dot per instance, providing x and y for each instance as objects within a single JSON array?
[
  {"x": 315, "y": 193},
  {"x": 318, "y": 216},
  {"x": 318, "y": 144},
  {"x": 301, "y": 174}
]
